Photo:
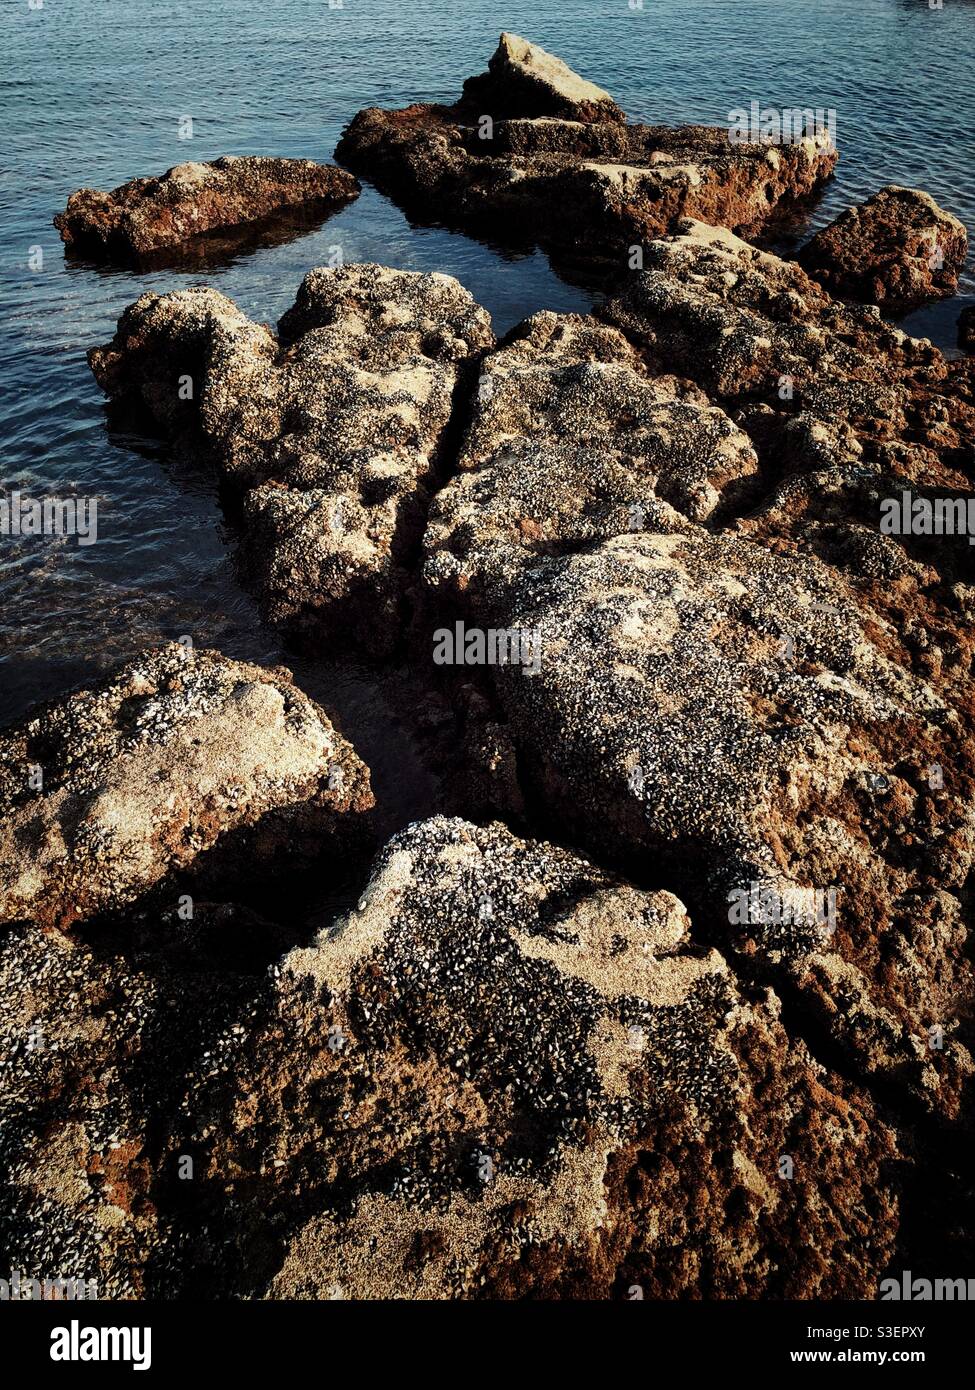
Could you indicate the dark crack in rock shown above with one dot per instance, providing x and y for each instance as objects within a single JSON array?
[
  {"x": 332, "y": 435},
  {"x": 571, "y": 442}
]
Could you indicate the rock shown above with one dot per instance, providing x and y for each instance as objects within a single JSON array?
[
  {"x": 815, "y": 383},
  {"x": 577, "y": 518},
  {"x": 150, "y": 215},
  {"x": 94, "y": 1045},
  {"x": 182, "y": 761},
  {"x": 723, "y": 710},
  {"x": 508, "y": 1073},
  {"x": 523, "y": 80},
  {"x": 586, "y": 187},
  {"x": 899, "y": 245},
  {"x": 519, "y": 1077},
  {"x": 332, "y": 436},
  {"x": 736, "y": 719},
  {"x": 966, "y": 329},
  {"x": 571, "y": 442}
]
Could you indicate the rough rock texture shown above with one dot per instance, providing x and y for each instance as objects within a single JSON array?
[
  {"x": 820, "y": 386},
  {"x": 899, "y": 245},
  {"x": 181, "y": 757},
  {"x": 94, "y": 1041},
  {"x": 523, "y": 80},
  {"x": 586, "y": 187},
  {"x": 154, "y": 214},
  {"x": 718, "y": 713},
  {"x": 571, "y": 441},
  {"x": 722, "y": 706},
  {"x": 507, "y": 1073},
  {"x": 332, "y": 434}
]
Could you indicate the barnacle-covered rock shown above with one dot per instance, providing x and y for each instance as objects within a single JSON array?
[
  {"x": 151, "y": 215},
  {"x": 571, "y": 441},
  {"x": 182, "y": 760},
  {"x": 508, "y": 1073},
  {"x": 333, "y": 435}
]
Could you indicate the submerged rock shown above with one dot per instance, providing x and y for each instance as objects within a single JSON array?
[
  {"x": 532, "y": 150},
  {"x": 333, "y": 435},
  {"x": 150, "y": 215},
  {"x": 899, "y": 245},
  {"x": 183, "y": 760}
]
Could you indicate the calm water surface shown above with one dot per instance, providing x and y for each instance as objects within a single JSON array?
[{"x": 92, "y": 94}]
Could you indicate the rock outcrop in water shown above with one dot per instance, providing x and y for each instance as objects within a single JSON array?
[
  {"x": 332, "y": 435},
  {"x": 506, "y": 1073},
  {"x": 533, "y": 150},
  {"x": 525, "y": 82},
  {"x": 151, "y": 215},
  {"x": 821, "y": 386},
  {"x": 897, "y": 246},
  {"x": 510, "y": 1072},
  {"x": 185, "y": 760}
]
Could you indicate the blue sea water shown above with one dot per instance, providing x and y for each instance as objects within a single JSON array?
[{"x": 93, "y": 93}]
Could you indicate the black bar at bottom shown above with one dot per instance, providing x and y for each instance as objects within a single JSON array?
[{"x": 266, "y": 1337}]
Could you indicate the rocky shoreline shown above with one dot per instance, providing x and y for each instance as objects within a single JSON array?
[{"x": 550, "y": 1050}]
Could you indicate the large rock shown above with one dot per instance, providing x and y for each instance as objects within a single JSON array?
[
  {"x": 569, "y": 442},
  {"x": 150, "y": 215},
  {"x": 899, "y": 245},
  {"x": 333, "y": 435},
  {"x": 523, "y": 80},
  {"x": 731, "y": 707},
  {"x": 734, "y": 721},
  {"x": 775, "y": 704},
  {"x": 518, "y": 1076},
  {"x": 182, "y": 761},
  {"x": 506, "y": 1073},
  {"x": 589, "y": 189},
  {"x": 816, "y": 383}
]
